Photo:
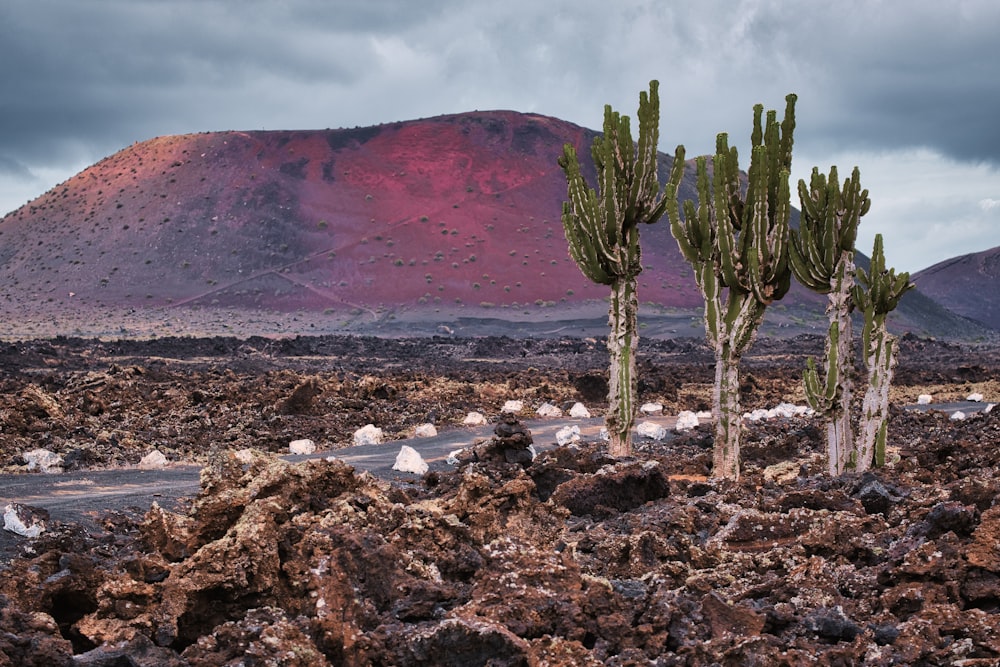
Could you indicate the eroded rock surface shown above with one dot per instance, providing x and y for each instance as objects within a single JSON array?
[{"x": 569, "y": 558}]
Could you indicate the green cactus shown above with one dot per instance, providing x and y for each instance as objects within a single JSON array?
[
  {"x": 602, "y": 228},
  {"x": 821, "y": 254},
  {"x": 877, "y": 294},
  {"x": 738, "y": 247}
]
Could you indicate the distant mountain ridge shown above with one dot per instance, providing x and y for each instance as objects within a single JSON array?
[
  {"x": 968, "y": 285},
  {"x": 453, "y": 216}
]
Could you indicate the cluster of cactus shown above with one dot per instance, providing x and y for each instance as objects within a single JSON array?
[
  {"x": 602, "y": 228},
  {"x": 736, "y": 241},
  {"x": 822, "y": 254}
]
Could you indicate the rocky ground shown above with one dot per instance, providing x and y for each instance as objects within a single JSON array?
[{"x": 569, "y": 559}]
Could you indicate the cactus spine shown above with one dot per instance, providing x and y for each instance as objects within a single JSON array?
[
  {"x": 821, "y": 254},
  {"x": 877, "y": 293},
  {"x": 602, "y": 228},
  {"x": 738, "y": 247}
]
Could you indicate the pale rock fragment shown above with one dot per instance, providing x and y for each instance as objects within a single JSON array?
[
  {"x": 368, "y": 434},
  {"x": 474, "y": 419},
  {"x": 579, "y": 411},
  {"x": 567, "y": 435},
  {"x": 43, "y": 460},
  {"x": 686, "y": 420},
  {"x": 651, "y": 430},
  {"x": 425, "y": 431},
  {"x": 155, "y": 460},
  {"x": 651, "y": 409},
  {"x": 410, "y": 460},
  {"x": 303, "y": 446},
  {"x": 23, "y": 520},
  {"x": 512, "y": 406},
  {"x": 924, "y": 399},
  {"x": 548, "y": 410},
  {"x": 957, "y": 416},
  {"x": 975, "y": 397}
]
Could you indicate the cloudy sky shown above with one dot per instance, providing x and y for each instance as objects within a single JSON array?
[{"x": 907, "y": 90}]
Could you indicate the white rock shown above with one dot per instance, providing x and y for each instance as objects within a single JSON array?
[
  {"x": 975, "y": 398},
  {"x": 155, "y": 460},
  {"x": 512, "y": 406},
  {"x": 20, "y": 519},
  {"x": 782, "y": 410},
  {"x": 368, "y": 434},
  {"x": 924, "y": 399},
  {"x": 410, "y": 460},
  {"x": 686, "y": 420},
  {"x": 579, "y": 411},
  {"x": 425, "y": 431},
  {"x": 651, "y": 430},
  {"x": 474, "y": 419},
  {"x": 548, "y": 410},
  {"x": 704, "y": 415},
  {"x": 956, "y": 416},
  {"x": 452, "y": 459},
  {"x": 303, "y": 446},
  {"x": 651, "y": 409},
  {"x": 988, "y": 409},
  {"x": 43, "y": 460},
  {"x": 567, "y": 435},
  {"x": 789, "y": 410},
  {"x": 605, "y": 436},
  {"x": 755, "y": 415}
]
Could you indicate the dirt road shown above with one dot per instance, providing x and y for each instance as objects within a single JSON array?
[{"x": 85, "y": 497}]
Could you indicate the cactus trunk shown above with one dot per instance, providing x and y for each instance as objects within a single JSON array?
[
  {"x": 839, "y": 435},
  {"x": 726, "y": 414},
  {"x": 881, "y": 362},
  {"x": 622, "y": 384}
]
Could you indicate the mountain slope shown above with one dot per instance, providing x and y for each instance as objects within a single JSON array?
[
  {"x": 450, "y": 217},
  {"x": 968, "y": 285}
]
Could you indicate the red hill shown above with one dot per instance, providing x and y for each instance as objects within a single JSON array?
[{"x": 448, "y": 219}]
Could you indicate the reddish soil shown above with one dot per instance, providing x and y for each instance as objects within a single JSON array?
[{"x": 570, "y": 559}]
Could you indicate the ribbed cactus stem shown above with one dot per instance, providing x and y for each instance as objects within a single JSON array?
[
  {"x": 821, "y": 254},
  {"x": 602, "y": 230},
  {"x": 737, "y": 243},
  {"x": 878, "y": 293}
]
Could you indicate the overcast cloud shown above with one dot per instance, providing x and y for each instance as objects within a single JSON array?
[{"x": 907, "y": 90}]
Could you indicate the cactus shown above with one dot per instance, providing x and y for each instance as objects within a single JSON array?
[
  {"x": 877, "y": 294},
  {"x": 602, "y": 228},
  {"x": 821, "y": 254},
  {"x": 738, "y": 247}
]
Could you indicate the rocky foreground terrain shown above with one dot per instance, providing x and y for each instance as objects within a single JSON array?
[{"x": 569, "y": 559}]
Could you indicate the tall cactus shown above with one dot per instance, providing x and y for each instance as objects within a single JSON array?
[
  {"x": 821, "y": 254},
  {"x": 737, "y": 243},
  {"x": 602, "y": 228},
  {"x": 877, "y": 293}
]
